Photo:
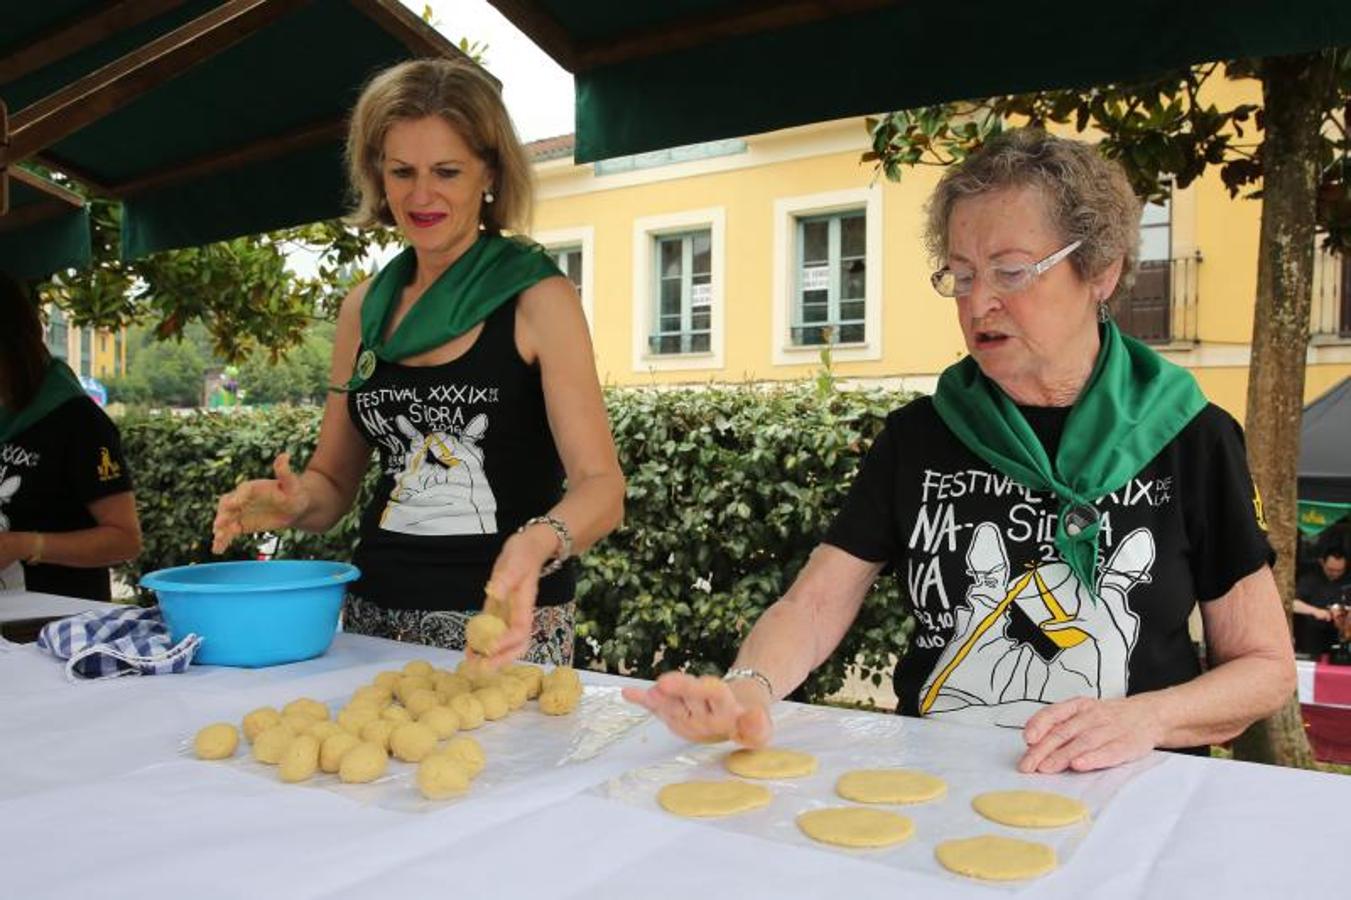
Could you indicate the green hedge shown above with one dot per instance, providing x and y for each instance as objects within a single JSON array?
[{"x": 729, "y": 489}]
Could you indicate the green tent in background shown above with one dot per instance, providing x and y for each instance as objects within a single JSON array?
[
  {"x": 657, "y": 75},
  {"x": 1325, "y": 460},
  {"x": 45, "y": 230},
  {"x": 209, "y": 119}
]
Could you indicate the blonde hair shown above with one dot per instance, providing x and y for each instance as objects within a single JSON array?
[
  {"x": 467, "y": 100},
  {"x": 1088, "y": 197}
]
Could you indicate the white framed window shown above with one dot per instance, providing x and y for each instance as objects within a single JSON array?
[
  {"x": 573, "y": 249},
  {"x": 828, "y": 276},
  {"x": 678, "y": 277}
]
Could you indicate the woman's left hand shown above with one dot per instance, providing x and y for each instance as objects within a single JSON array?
[
  {"x": 1087, "y": 733},
  {"x": 513, "y": 586}
]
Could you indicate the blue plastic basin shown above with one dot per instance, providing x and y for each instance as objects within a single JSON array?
[{"x": 253, "y": 613}]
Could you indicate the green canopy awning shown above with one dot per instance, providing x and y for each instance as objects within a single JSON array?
[
  {"x": 209, "y": 118},
  {"x": 45, "y": 230},
  {"x": 655, "y": 75}
]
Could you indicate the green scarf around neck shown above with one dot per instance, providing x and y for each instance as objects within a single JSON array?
[
  {"x": 1134, "y": 403},
  {"x": 58, "y": 385},
  {"x": 492, "y": 271}
]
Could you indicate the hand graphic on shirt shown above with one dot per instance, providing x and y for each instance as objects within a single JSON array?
[{"x": 442, "y": 488}]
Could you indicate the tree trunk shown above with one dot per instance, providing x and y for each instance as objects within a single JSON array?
[{"x": 1294, "y": 89}]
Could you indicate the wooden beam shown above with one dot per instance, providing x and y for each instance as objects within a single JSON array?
[
  {"x": 70, "y": 38},
  {"x": 420, "y": 38},
  {"x": 74, "y": 171},
  {"x": 57, "y": 116},
  {"x": 541, "y": 28},
  {"x": 695, "y": 31},
  {"x": 51, "y": 188},
  {"x": 238, "y": 157},
  {"x": 18, "y": 219}
]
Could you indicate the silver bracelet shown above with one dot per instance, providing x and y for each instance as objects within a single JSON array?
[
  {"x": 740, "y": 672},
  {"x": 564, "y": 536}
]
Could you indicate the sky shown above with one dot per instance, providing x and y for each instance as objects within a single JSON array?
[{"x": 537, "y": 91}]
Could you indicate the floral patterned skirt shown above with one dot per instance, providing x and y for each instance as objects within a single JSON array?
[{"x": 550, "y": 637}]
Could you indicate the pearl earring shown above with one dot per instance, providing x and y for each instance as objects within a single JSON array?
[{"x": 488, "y": 197}]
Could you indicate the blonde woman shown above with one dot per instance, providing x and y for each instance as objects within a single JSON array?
[{"x": 466, "y": 364}]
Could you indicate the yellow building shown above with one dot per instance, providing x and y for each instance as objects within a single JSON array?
[
  {"x": 99, "y": 353},
  {"x": 728, "y": 262}
]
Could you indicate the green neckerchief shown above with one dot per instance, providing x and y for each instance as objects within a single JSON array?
[
  {"x": 490, "y": 273},
  {"x": 1134, "y": 403},
  {"x": 58, "y": 385}
]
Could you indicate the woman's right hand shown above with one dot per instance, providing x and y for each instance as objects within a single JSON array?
[
  {"x": 709, "y": 709},
  {"x": 264, "y": 504}
]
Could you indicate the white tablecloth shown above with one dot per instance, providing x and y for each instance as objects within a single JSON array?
[{"x": 97, "y": 798}]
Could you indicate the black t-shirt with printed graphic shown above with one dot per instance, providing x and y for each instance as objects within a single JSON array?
[
  {"x": 466, "y": 456},
  {"x": 49, "y": 474},
  {"x": 1002, "y": 627}
]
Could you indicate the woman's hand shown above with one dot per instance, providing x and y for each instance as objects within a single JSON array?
[
  {"x": 264, "y": 504},
  {"x": 709, "y": 709},
  {"x": 513, "y": 587},
  {"x": 1086, "y": 733}
]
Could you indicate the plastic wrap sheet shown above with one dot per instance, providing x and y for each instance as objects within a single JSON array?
[
  {"x": 524, "y": 744},
  {"x": 972, "y": 760}
]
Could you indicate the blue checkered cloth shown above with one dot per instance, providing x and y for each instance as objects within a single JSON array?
[{"x": 128, "y": 641}]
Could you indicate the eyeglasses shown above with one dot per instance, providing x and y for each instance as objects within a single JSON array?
[{"x": 1006, "y": 279}]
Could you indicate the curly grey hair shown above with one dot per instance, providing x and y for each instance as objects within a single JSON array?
[{"x": 1088, "y": 197}]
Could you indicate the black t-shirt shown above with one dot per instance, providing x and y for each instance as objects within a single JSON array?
[
  {"x": 1003, "y": 628},
  {"x": 49, "y": 474},
  {"x": 466, "y": 456},
  {"x": 1313, "y": 637}
]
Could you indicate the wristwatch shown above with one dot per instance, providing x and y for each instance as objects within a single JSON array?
[{"x": 740, "y": 672}]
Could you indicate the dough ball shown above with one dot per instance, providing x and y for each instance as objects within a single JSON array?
[
  {"x": 321, "y": 731},
  {"x": 476, "y": 671},
  {"x": 558, "y": 702},
  {"x": 418, "y": 667},
  {"x": 440, "y": 776},
  {"x": 305, "y": 706},
  {"x": 301, "y": 759},
  {"x": 270, "y": 744},
  {"x": 411, "y": 741},
  {"x": 996, "y": 858},
  {"x": 389, "y": 679},
  {"x": 468, "y": 752},
  {"x": 709, "y": 799},
  {"x": 216, "y": 741},
  {"x": 441, "y": 720},
  {"x": 378, "y": 733},
  {"x": 258, "y": 721},
  {"x": 452, "y": 686},
  {"x": 483, "y": 632},
  {"x": 515, "y": 691},
  {"x": 334, "y": 748},
  {"x": 770, "y": 763},
  {"x": 420, "y": 701},
  {"x": 355, "y": 718},
  {"x": 396, "y": 714},
  {"x": 410, "y": 683},
  {"x": 371, "y": 694},
  {"x": 364, "y": 762},
  {"x": 531, "y": 676},
  {"x": 469, "y": 710},
  {"x": 494, "y": 702},
  {"x": 562, "y": 676}
]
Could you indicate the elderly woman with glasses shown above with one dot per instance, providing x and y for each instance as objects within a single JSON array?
[{"x": 1056, "y": 509}]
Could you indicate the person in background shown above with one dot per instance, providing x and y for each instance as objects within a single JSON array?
[
  {"x": 466, "y": 364},
  {"x": 1315, "y": 631},
  {"x": 67, "y": 511}
]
